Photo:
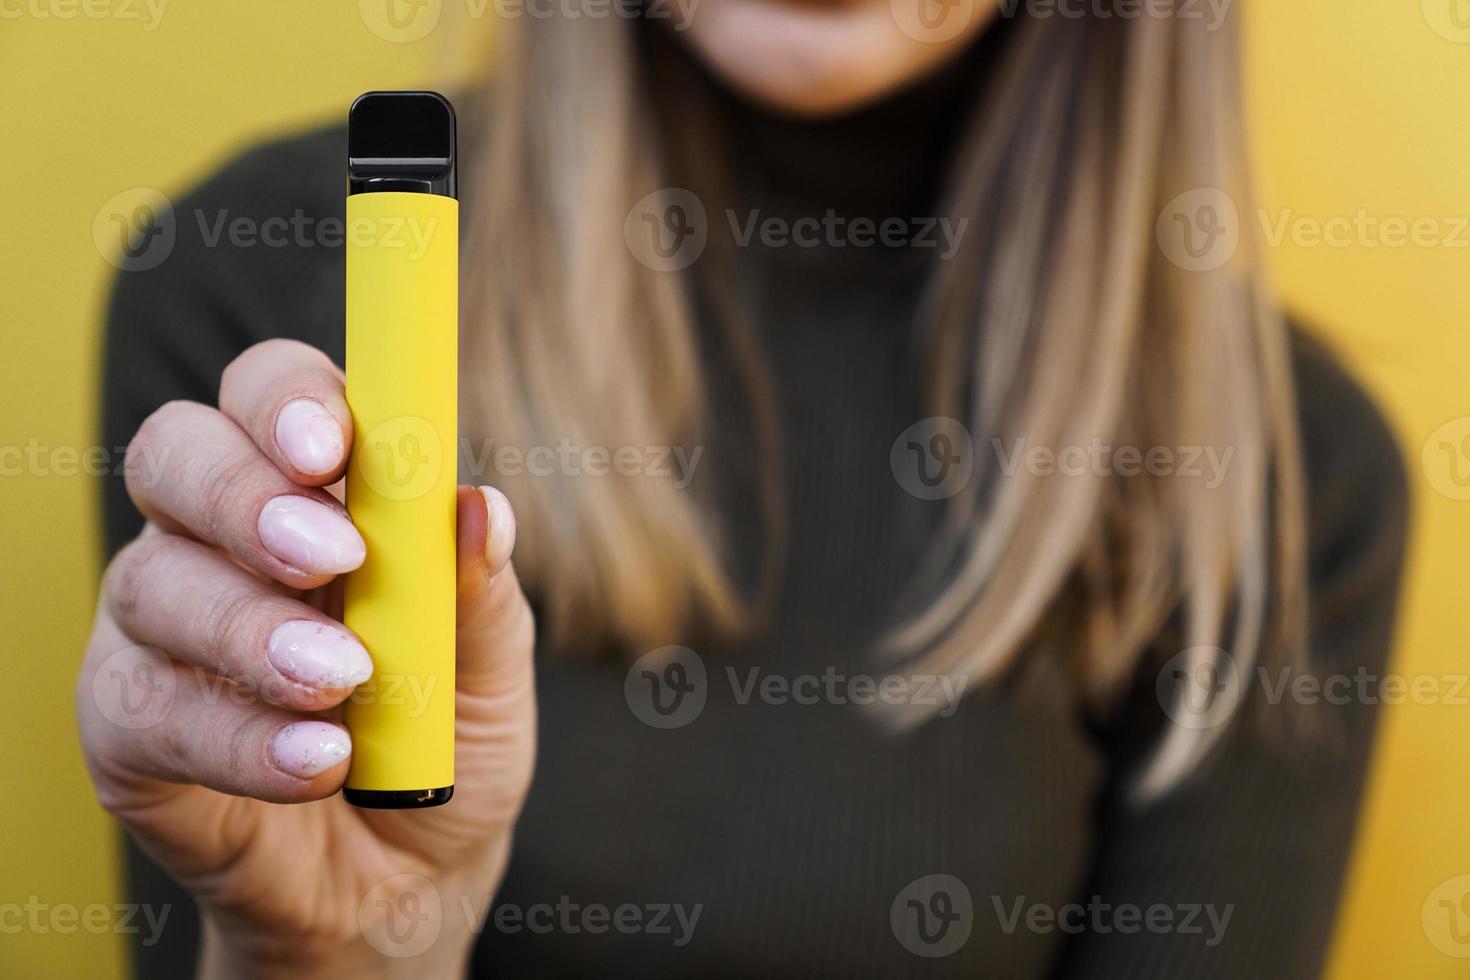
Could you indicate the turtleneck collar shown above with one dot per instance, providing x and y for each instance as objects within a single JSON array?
[{"x": 886, "y": 159}]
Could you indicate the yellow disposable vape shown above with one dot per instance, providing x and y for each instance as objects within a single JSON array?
[{"x": 402, "y": 250}]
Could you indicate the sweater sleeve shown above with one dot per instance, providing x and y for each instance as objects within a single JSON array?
[
  {"x": 257, "y": 254},
  {"x": 1237, "y": 872}
]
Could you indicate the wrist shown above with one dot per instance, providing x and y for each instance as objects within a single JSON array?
[
  {"x": 407, "y": 925},
  {"x": 226, "y": 954}
]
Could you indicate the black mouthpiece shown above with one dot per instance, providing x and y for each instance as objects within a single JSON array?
[{"x": 401, "y": 141}]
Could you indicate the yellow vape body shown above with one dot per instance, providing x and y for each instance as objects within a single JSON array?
[{"x": 402, "y": 303}]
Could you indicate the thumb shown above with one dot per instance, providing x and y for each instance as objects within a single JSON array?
[
  {"x": 496, "y": 630},
  {"x": 495, "y": 693},
  {"x": 495, "y": 707}
]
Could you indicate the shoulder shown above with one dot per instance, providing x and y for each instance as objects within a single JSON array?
[
  {"x": 1354, "y": 468},
  {"x": 251, "y": 252},
  {"x": 309, "y": 164},
  {"x": 1339, "y": 423},
  {"x": 1357, "y": 496},
  {"x": 307, "y": 168}
]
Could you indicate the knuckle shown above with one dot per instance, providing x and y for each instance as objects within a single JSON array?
[
  {"x": 240, "y": 751},
  {"x": 247, "y": 360},
  {"x": 505, "y": 600},
  {"x": 116, "y": 786},
  {"x": 522, "y": 630},
  {"x": 230, "y": 378},
  {"x": 282, "y": 354},
  {"x": 113, "y": 797},
  {"x": 236, "y": 381},
  {"x": 490, "y": 613},
  {"x": 283, "y": 347},
  {"x": 153, "y": 437},
  {"x": 100, "y": 751},
  {"x": 120, "y": 581},
  {"x": 172, "y": 746},
  {"x": 511, "y": 790},
  {"x": 93, "y": 736},
  {"x": 315, "y": 378},
  {"x": 229, "y": 621},
  {"x": 220, "y": 497},
  {"x": 130, "y": 571},
  {"x": 267, "y": 375},
  {"x": 166, "y": 417}
]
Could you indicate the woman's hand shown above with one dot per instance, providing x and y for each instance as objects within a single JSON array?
[{"x": 211, "y": 689}]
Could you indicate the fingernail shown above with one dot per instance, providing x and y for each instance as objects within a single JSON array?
[
  {"x": 500, "y": 536},
  {"x": 318, "y": 655},
  {"x": 310, "y": 436},
  {"x": 309, "y": 748},
  {"x": 310, "y": 535}
]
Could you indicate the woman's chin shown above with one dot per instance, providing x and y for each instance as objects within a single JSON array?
[{"x": 815, "y": 59}]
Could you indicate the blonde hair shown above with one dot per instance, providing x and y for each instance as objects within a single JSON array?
[{"x": 1068, "y": 325}]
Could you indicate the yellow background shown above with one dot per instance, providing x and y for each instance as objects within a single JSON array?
[{"x": 1357, "y": 104}]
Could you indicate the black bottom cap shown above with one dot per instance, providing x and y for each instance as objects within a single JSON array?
[{"x": 398, "y": 799}]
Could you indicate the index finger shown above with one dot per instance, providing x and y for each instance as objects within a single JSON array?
[{"x": 291, "y": 399}]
